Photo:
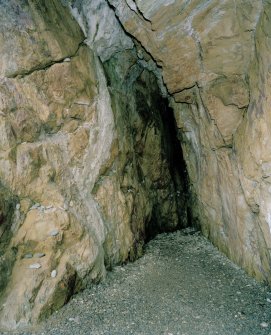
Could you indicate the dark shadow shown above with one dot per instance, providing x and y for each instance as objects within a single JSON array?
[{"x": 178, "y": 171}]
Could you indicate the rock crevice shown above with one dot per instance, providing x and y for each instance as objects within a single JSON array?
[{"x": 45, "y": 67}]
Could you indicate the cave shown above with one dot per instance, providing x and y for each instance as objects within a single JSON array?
[
  {"x": 179, "y": 175},
  {"x": 121, "y": 120},
  {"x": 149, "y": 118},
  {"x": 144, "y": 119}
]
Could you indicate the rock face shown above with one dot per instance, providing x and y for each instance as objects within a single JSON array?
[
  {"x": 104, "y": 106},
  {"x": 87, "y": 162},
  {"x": 215, "y": 63}
]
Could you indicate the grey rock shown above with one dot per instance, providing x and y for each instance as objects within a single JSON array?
[
  {"x": 264, "y": 324},
  {"x": 35, "y": 266},
  {"x": 28, "y": 255},
  {"x": 54, "y": 232},
  {"x": 103, "y": 31},
  {"x": 53, "y": 273},
  {"x": 39, "y": 255}
]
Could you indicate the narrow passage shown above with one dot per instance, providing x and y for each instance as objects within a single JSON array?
[{"x": 181, "y": 286}]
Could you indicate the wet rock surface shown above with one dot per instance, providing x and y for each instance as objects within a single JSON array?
[{"x": 182, "y": 285}]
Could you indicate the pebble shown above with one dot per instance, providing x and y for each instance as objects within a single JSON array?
[
  {"x": 53, "y": 273},
  {"x": 163, "y": 298},
  {"x": 76, "y": 319},
  {"x": 18, "y": 206},
  {"x": 54, "y": 232},
  {"x": 39, "y": 255},
  {"x": 27, "y": 256},
  {"x": 264, "y": 325},
  {"x": 140, "y": 54},
  {"x": 67, "y": 59},
  {"x": 268, "y": 300},
  {"x": 35, "y": 266}
]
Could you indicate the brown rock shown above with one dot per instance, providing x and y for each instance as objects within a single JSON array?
[{"x": 219, "y": 83}]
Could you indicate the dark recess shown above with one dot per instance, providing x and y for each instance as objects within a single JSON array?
[
  {"x": 137, "y": 102},
  {"x": 177, "y": 165}
]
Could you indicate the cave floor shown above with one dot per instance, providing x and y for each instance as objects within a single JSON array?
[{"x": 182, "y": 285}]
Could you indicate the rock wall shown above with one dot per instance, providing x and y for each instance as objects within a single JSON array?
[
  {"x": 100, "y": 101},
  {"x": 87, "y": 169},
  {"x": 215, "y": 61}
]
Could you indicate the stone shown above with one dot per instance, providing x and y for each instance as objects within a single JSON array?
[
  {"x": 38, "y": 255},
  {"x": 53, "y": 273},
  {"x": 56, "y": 43},
  {"x": 76, "y": 320},
  {"x": 35, "y": 266},
  {"x": 54, "y": 232},
  {"x": 103, "y": 31},
  {"x": 27, "y": 256},
  {"x": 264, "y": 325}
]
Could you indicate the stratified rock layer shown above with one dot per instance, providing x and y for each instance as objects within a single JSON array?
[
  {"x": 85, "y": 166},
  {"x": 215, "y": 58}
]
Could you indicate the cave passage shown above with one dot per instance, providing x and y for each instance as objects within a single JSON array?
[
  {"x": 107, "y": 108},
  {"x": 177, "y": 166},
  {"x": 151, "y": 162}
]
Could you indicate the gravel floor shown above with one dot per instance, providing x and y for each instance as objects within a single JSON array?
[{"x": 182, "y": 285}]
